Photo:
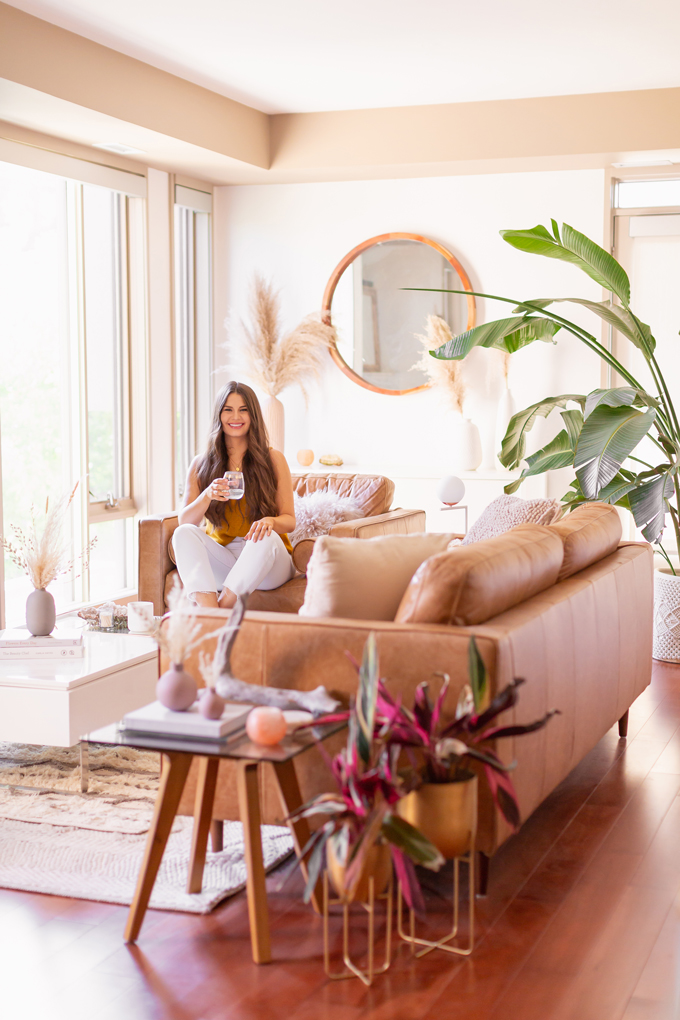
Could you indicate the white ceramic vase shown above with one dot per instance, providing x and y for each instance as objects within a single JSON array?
[
  {"x": 666, "y": 616},
  {"x": 506, "y": 409},
  {"x": 464, "y": 446},
  {"x": 274, "y": 419}
]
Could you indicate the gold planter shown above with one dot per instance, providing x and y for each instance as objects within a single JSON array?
[
  {"x": 378, "y": 866},
  {"x": 446, "y": 813},
  {"x": 374, "y": 884}
]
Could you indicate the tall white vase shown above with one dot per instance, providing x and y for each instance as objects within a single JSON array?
[
  {"x": 506, "y": 409},
  {"x": 464, "y": 446},
  {"x": 274, "y": 419}
]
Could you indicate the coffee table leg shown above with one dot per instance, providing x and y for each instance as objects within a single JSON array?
[
  {"x": 249, "y": 807},
  {"x": 291, "y": 800},
  {"x": 84, "y": 765},
  {"x": 205, "y": 797},
  {"x": 173, "y": 776}
]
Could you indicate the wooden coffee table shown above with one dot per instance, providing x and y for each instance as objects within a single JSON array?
[
  {"x": 57, "y": 701},
  {"x": 178, "y": 755}
]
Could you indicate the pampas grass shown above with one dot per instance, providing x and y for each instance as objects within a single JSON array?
[
  {"x": 447, "y": 375},
  {"x": 178, "y": 632},
  {"x": 274, "y": 361},
  {"x": 42, "y": 552}
]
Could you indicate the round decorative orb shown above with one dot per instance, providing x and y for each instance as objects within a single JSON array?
[
  {"x": 210, "y": 704},
  {"x": 176, "y": 689},
  {"x": 305, "y": 457},
  {"x": 266, "y": 725},
  {"x": 451, "y": 490}
]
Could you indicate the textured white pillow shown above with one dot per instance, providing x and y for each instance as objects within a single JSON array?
[
  {"x": 317, "y": 512},
  {"x": 507, "y": 512}
]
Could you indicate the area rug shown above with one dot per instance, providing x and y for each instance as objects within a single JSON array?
[
  {"x": 90, "y": 865},
  {"x": 90, "y": 846}
]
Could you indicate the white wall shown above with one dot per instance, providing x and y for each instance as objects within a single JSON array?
[{"x": 296, "y": 234}]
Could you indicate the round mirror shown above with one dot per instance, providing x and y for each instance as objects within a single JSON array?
[{"x": 378, "y": 323}]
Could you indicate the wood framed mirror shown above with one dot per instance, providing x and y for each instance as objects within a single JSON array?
[{"x": 378, "y": 322}]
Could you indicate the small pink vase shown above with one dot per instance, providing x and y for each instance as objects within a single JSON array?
[
  {"x": 176, "y": 689},
  {"x": 210, "y": 704}
]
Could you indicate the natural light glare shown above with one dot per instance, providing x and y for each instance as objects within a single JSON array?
[{"x": 644, "y": 194}]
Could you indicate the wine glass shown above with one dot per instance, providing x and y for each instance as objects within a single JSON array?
[{"x": 235, "y": 479}]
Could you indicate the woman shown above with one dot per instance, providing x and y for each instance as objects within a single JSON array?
[{"x": 246, "y": 544}]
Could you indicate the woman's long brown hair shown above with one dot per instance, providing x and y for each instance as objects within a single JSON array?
[{"x": 258, "y": 470}]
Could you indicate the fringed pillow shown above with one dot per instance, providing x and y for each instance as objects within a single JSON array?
[{"x": 317, "y": 512}]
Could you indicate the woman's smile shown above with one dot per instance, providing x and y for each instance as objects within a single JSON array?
[{"x": 235, "y": 417}]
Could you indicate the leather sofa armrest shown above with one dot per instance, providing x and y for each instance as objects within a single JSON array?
[
  {"x": 154, "y": 562},
  {"x": 394, "y": 522}
]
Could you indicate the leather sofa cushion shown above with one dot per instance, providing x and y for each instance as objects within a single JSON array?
[
  {"x": 471, "y": 584},
  {"x": 589, "y": 533},
  {"x": 364, "y": 579}
]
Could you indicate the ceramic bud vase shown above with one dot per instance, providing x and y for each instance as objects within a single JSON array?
[
  {"x": 273, "y": 413},
  {"x": 176, "y": 689},
  {"x": 210, "y": 704},
  {"x": 41, "y": 614},
  {"x": 464, "y": 446}
]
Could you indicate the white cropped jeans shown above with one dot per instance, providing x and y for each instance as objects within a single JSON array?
[{"x": 206, "y": 566}]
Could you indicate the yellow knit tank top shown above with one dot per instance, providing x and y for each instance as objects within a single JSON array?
[{"x": 236, "y": 525}]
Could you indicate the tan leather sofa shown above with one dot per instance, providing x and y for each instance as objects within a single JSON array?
[
  {"x": 583, "y": 645},
  {"x": 373, "y": 493}
]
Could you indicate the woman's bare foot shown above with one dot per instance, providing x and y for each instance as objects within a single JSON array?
[
  {"x": 207, "y": 599},
  {"x": 227, "y": 599}
]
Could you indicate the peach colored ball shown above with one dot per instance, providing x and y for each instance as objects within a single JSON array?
[
  {"x": 305, "y": 457},
  {"x": 266, "y": 725}
]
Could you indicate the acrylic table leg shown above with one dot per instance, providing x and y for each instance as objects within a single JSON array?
[
  {"x": 291, "y": 800},
  {"x": 249, "y": 808},
  {"x": 623, "y": 724},
  {"x": 173, "y": 776},
  {"x": 84, "y": 765},
  {"x": 205, "y": 798}
]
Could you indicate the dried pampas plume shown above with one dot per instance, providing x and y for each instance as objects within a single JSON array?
[
  {"x": 43, "y": 554},
  {"x": 274, "y": 361},
  {"x": 445, "y": 374},
  {"x": 179, "y": 631}
]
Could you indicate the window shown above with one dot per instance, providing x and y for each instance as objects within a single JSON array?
[
  {"x": 193, "y": 327},
  {"x": 65, "y": 324},
  {"x": 647, "y": 194}
]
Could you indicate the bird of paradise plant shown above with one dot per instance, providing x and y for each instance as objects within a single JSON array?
[{"x": 601, "y": 433}]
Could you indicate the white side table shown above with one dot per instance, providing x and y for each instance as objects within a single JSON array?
[{"x": 55, "y": 701}]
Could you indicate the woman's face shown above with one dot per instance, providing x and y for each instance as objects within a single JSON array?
[{"x": 235, "y": 417}]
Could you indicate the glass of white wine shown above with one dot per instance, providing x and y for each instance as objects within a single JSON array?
[{"x": 235, "y": 479}]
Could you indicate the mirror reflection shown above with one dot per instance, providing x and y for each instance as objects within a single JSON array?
[{"x": 378, "y": 323}]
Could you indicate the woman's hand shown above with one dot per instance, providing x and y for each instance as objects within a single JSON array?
[
  {"x": 219, "y": 490},
  {"x": 260, "y": 529}
]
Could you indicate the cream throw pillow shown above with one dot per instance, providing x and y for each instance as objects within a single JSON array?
[
  {"x": 506, "y": 512},
  {"x": 365, "y": 578}
]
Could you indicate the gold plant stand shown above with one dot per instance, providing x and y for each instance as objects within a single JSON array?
[
  {"x": 443, "y": 943},
  {"x": 350, "y": 968}
]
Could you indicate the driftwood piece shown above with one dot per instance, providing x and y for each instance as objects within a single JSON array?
[{"x": 318, "y": 702}]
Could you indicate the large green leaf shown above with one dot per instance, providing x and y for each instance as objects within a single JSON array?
[
  {"x": 406, "y": 837},
  {"x": 648, "y": 502},
  {"x": 576, "y": 248},
  {"x": 608, "y": 436},
  {"x": 366, "y": 698},
  {"x": 573, "y": 421},
  {"x": 558, "y": 453},
  {"x": 508, "y": 335},
  {"x": 514, "y": 441},
  {"x": 478, "y": 677},
  {"x": 619, "y": 396},
  {"x": 622, "y": 319}
]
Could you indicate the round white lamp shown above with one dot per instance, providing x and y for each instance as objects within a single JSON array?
[{"x": 451, "y": 490}]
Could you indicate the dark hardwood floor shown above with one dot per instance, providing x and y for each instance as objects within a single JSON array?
[{"x": 581, "y": 923}]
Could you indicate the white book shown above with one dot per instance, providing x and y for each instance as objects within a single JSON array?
[
  {"x": 22, "y": 638},
  {"x": 33, "y": 652},
  {"x": 155, "y": 718}
]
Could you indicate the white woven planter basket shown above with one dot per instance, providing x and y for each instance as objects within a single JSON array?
[{"x": 666, "y": 616}]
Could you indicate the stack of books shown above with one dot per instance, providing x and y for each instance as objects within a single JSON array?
[
  {"x": 60, "y": 644},
  {"x": 155, "y": 719}
]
